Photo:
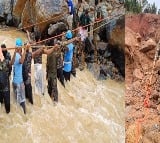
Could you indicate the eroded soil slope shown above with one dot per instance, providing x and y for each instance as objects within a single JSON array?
[{"x": 141, "y": 39}]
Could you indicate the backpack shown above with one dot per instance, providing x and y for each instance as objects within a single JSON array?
[{"x": 3, "y": 74}]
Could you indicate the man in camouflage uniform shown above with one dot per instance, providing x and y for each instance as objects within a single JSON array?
[
  {"x": 38, "y": 70},
  {"x": 7, "y": 56},
  {"x": 5, "y": 70},
  {"x": 52, "y": 72},
  {"x": 26, "y": 71},
  {"x": 59, "y": 61}
]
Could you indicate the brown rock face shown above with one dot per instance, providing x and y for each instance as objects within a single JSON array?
[
  {"x": 18, "y": 8},
  {"x": 35, "y": 11},
  {"x": 117, "y": 34},
  {"x": 147, "y": 25}
]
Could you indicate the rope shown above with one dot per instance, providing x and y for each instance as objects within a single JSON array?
[
  {"x": 36, "y": 23},
  {"x": 146, "y": 102},
  {"x": 62, "y": 34}
]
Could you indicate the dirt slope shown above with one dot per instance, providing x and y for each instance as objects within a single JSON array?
[{"x": 141, "y": 37}]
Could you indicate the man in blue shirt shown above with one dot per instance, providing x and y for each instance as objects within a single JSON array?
[
  {"x": 68, "y": 56},
  {"x": 71, "y": 12},
  {"x": 18, "y": 84},
  {"x": 70, "y": 6}
]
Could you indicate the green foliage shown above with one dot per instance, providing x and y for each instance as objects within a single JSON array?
[
  {"x": 137, "y": 6},
  {"x": 151, "y": 8},
  {"x": 133, "y": 6}
]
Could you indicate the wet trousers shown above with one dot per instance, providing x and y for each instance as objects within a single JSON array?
[
  {"x": 39, "y": 79},
  {"x": 52, "y": 89},
  {"x": 28, "y": 92},
  {"x": 60, "y": 76},
  {"x": 19, "y": 91},
  {"x": 5, "y": 97},
  {"x": 67, "y": 75}
]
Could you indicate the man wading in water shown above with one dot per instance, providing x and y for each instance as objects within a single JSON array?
[
  {"x": 27, "y": 70},
  {"x": 52, "y": 72},
  {"x": 18, "y": 85},
  {"x": 38, "y": 71},
  {"x": 68, "y": 56},
  {"x": 5, "y": 71}
]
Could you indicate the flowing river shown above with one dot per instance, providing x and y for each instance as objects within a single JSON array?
[{"x": 89, "y": 111}]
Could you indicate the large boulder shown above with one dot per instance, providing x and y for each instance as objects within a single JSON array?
[
  {"x": 1, "y": 11},
  {"x": 148, "y": 45},
  {"x": 5, "y": 9},
  {"x": 56, "y": 28},
  {"x": 117, "y": 36},
  {"x": 26, "y": 12},
  {"x": 50, "y": 11}
]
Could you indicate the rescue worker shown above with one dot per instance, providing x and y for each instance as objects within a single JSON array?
[
  {"x": 59, "y": 60},
  {"x": 68, "y": 56},
  {"x": 71, "y": 12},
  {"x": 76, "y": 15},
  {"x": 52, "y": 72},
  {"x": 60, "y": 75},
  {"x": 83, "y": 34},
  {"x": 38, "y": 71},
  {"x": 5, "y": 71},
  {"x": 27, "y": 71},
  {"x": 7, "y": 56},
  {"x": 85, "y": 20},
  {"x": 18, "y": 84}
]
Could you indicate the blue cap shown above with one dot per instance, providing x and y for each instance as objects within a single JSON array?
[
  {"x": 69, "y": 34},
  {"x": 18, "y": 42}
]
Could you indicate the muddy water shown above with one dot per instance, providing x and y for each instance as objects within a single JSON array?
[{"x": 89, "y": 111}]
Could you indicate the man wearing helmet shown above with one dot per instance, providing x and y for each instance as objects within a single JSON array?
[
  {"x": 68, "y": 56},
  {"x": 18, "y": 85}
]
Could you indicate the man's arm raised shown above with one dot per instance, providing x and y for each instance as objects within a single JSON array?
[{"x": 49, "y": 51}]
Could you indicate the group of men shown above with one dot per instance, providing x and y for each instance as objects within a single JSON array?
[
  {"x": 21, "y": 61},
  {"x": 58, "y": 65}
]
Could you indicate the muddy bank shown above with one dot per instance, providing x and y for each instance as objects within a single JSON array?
[{"x": 141, "y": 36}]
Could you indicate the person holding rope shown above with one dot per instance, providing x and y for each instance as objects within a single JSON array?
[
  {"x": 81, "y": 57},
  {"x": 68, "y": 56},
  {"x": 5, "y": 71},
  {"x": 38, "y": 71},
  {"x": 52, "y": 72},
  {"x": 18, "y": 84},
  {"x": 27, "y": 70},
  {"x": 85, "y": 20},
  {"x": 59, "y": 61}
]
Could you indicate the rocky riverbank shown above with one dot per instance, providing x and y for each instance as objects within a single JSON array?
[{"x": 22, "y": 13}]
